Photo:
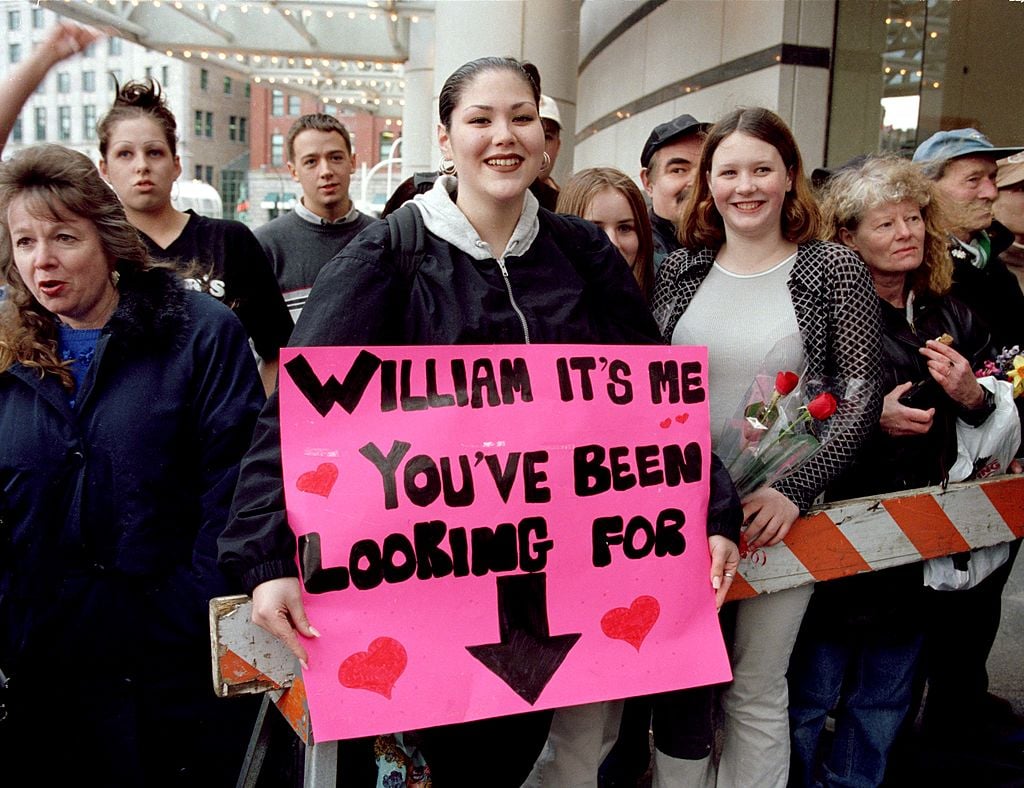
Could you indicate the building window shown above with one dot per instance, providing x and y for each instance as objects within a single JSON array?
[
  {"x": 233, "y": 128},
  {"x": 209, "y": 124},
  {"x": 387, "y": 141},
  {"x": 277, "y": 149},
  {"x": 38, "y": 20},
  {"x": 16, "y": 129},
  {"x": 149, "y": 72},
  {"x": 115, "y": 77},
  {"x": 247, "y": 89},
  {"x": 165, "y": 75},
  {"x": 204, "y": 79},
  {"x": 64, "y": 123},
  {"x": 13, "y": 53},
  {"x": 90, "y": 51},
  {"x": 89, "y": 121},
  {"x": 294, "y": 106},
  {"x": 227, "y": 86},
  {"x": 88, "y": 81},
  {"x": 63, "y": 82},
  {"x": 40, "y": 124},
  {"x": 197, "y": 126},
  {"x": 242, "y": 123},
  {"x": 276, "y": 103},
  {"x": 199, "y": 172},
  {"x": 114, "y": 45},
  {"x": 209, "y": 174},
  {"x": 13, "y": 20}
]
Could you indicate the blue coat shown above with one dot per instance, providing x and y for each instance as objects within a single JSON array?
[{"x": 110, "y": 513}]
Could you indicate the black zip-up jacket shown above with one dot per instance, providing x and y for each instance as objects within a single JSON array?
[
  {"x": 570, "y": 285},
  {"x": 887, "y": 463}
]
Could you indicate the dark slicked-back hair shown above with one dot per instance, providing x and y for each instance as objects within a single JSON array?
[{"x": 460, "y": 79}]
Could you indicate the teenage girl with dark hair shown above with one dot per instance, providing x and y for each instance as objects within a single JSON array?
[
  {"x": 138, "y": 157},
  {"x": 495, "y": 268}
]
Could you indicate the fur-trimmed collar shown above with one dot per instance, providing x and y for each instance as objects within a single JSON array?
[{"x": 151, "y": 311}]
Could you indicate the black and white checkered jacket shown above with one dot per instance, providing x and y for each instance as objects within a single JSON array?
[{"x": 838, "y": 316}]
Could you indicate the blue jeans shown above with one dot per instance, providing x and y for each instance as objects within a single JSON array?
[{"x": 861, "y": 669}]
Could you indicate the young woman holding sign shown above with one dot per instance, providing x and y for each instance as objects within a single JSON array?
[{"x": 494, "y": 268}]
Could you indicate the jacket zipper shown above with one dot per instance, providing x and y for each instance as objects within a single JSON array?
[{"x": 512, "y": 299}]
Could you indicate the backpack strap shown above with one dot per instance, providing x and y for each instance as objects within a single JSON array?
[{"x": 408, "y": 235}]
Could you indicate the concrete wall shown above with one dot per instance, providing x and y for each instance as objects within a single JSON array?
[{"x": 701, "y": 49}]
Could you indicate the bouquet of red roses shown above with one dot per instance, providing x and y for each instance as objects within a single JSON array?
[{"x": 781, "y": 422}]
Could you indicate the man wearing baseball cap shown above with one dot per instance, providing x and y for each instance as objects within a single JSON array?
[
  {"x": 1009, "y": 211},
  {"x": 962, "y": 162},
  {"x": 669, "y": 162},
  {"x": 551, "y": 120},
  {"x": 960, "y": 627}
]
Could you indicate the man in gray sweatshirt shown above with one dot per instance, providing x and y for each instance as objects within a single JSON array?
[{"x": 300, "y": 242}]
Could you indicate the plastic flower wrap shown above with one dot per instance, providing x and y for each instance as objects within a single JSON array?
[
  {"x": 780, "y": 423},
  {"x": 1008, "y": 365}
]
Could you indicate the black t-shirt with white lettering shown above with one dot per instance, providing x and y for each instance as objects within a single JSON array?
[{"x": 223, "y": 258}]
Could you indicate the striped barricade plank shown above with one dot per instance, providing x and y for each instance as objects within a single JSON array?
[
  {"x": 838, "y": 540},
  {"x": 868, "y": 534}
]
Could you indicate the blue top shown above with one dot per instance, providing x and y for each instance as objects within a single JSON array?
[{"x": 78, "y": 345}]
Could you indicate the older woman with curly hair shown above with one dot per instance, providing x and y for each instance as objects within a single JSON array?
[
  {"x": 861, "y": 637},
  {"x": 126, "y": 404}
]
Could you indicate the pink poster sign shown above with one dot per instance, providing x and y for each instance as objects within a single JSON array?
[{"x": 487, "y": 530}]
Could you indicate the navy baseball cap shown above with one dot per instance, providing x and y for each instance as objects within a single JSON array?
[
  {"x": 666, "y": 132},
  {"x": 957, "y": 143}
]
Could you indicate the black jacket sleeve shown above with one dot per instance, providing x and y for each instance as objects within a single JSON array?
[
  {"x": 356, "y": 300},
  {"x": 725, "y": 513}
]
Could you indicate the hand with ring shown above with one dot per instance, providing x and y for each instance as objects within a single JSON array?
[
  {"x": 953, "y": 373},
  {"x": 725, "y": 559}
]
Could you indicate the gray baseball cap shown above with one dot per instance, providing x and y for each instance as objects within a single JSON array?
[{"x": 957, "y": 143}]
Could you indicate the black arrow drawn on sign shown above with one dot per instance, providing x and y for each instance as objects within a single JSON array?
[{"x": 528, "y": 655}]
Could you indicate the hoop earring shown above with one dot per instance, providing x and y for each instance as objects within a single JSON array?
[
  {"x": 545, "y": 162},
  {"x": 446, "y": 167}
]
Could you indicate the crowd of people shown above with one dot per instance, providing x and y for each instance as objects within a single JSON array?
[{"x": 140, "y": 456}]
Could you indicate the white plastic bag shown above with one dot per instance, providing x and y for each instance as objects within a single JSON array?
[{"x": 982, "y": 451}]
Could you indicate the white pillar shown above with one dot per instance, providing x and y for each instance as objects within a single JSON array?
[
  {"x": 551, "y": 39},
  {"x": 418, "y": 116},
  {"x": 544, "y": 32}
]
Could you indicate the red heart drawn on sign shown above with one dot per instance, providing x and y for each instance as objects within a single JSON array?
[
  {"x": 632, "y": 623},
  {"x": 666, "y": 423},
  {"x": 376, "y": 669},
  {"x": 320, "y": 481},
  {"x": 682, "y": 417}
]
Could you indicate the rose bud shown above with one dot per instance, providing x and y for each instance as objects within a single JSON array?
[
  {"x": 822, "y": 406},
  {"x": 785, "y": 382}
]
